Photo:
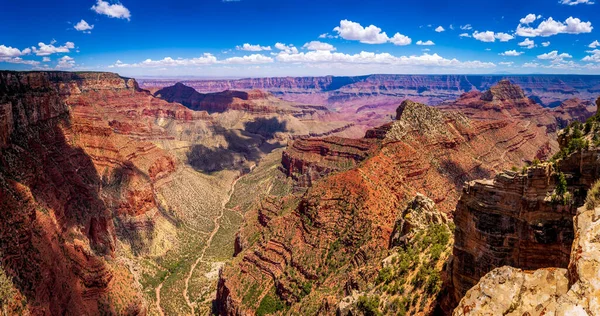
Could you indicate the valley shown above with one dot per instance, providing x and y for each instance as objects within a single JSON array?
[{"x": 177, "y": 202}]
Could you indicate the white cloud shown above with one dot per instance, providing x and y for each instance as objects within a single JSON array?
[
  {"x": 65, "y": 62},
  {"x": 354, "y": 31},
  {"x": 545, "y": 44},
  {"x": 554, "y": 56},
  {"x": 530, "y": 18},
  {"x": 487, "y": 36},
  {"x": 286, "y": 48},
  {"x": 466, "y": 27},
  {"x": 464, "y": 35},
  {"x": 7, "y": 51},
  {"x": 46, "y": 59},
  {"x": 49, "y": 49},
  {"x": 252, "y": 48},
  {"x": 576, "y": 2},
  {"x": 594, "y": 44},
  {"x": 527, "y": 43},
  {"x": 506, "y": 63},
  {"x": 594, "y": 57},
  {"x": 368, "y": 35},
  {"x": 451, "y": 27},
  {"x": 439, "y": 29},
  {"x": 551, "y": 27},
  {"x": 531, "y": 65},
  {"x": 316, "y": 45},
  {"x": 400, "y": 40},
  {"x": 251, "y": 59},
  {"x": 19, "y": 60},
  {"x": 83, "y": 26},
  {"x": 426, "y": 60},
  {"x": 327, "y": 35},
  {"x": 427, "y": 43},
  {"x": 511, "y": 53},
  {"x": 116, "y": 10},
  {"x": 205, "y": 59},
  {"x": 503, "y": 37}
]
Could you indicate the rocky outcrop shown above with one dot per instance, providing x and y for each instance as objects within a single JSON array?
[
  {"x": 512, "y": 220},
  {"x": 253, "y": 101},
  {"x": 306, "y": 160},
  {"x": 549, "y": 291},
  {"x": 573, "y": 110},
  {"x": 525, "y": 220}
]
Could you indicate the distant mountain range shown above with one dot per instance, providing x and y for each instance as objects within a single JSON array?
[{"x": 380, "y": 90}]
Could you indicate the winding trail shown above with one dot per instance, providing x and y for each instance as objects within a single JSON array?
[
  {"x": 160, "y": 311},
  {"x": 217, "y": 225}
]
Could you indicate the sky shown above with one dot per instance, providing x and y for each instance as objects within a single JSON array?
[{"x": 272, "y": 38}]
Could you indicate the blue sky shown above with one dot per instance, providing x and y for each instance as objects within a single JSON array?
[{"x": 298, "y": 38}]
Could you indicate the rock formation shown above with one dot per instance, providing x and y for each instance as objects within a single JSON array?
[
  {"x": 253, "y": 101},
  {"x": 525, "y": 221},
  {"x": 310, "y": 252}
]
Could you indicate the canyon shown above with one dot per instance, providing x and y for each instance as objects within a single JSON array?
[{"x": 291, "y": 195}]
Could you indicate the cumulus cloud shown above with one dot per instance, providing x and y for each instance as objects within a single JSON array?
[
  {"x": 439, "y": 29},
  {"x": 545, "y": 44},
  {"x": 368, "y": 35},
  {"x": 316, "y": 45},
  {"x": 427, "y": 43},
  {"x": 252, "y": 48},
  {"x": 576, "y": 2},
  {"x": 506, "y": 63},
  {"x": 594, "y": 44},
  {"x": 530, "y": 18},
  {"x": 511, "y": 53},
  {"x": 8, "y": 51},
  {"x": 466, "y": 27},
  {"x": 554, "y": 56},
  {"x": 400, "y": 40},
  {"x": 83, "y": 26},
  {"x": 19, "y": 60},
  {"x": 594, "y": 57},
  {"x": 503, "y": 37},
  {"x": 464, "y": 35},
  {"x": 551, "y": 27},
  {"x": 49, "y": 49},
  {"x": 291, "y": 49},
  {"x": 527, "y": 43},
  {"x": 487, "y": 36},
  {"x": 46, "y": 59},
  {"x": 65, "y": 62},
  {"x": 116, "y": 10}
]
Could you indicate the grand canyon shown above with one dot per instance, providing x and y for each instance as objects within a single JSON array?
[{"x": 445, "y": 161}]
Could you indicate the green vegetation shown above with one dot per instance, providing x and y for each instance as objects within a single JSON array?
[
  {"x": 593, "y": 196},
  {"x": 270, "y": 304},
  {"x": 369, "y": 305}
]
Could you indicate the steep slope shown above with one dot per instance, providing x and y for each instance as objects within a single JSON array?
[
  {"x": 58, "y": 239},
  {"x": 537, "y": 231},
  {"x": 305, "y": 253}
]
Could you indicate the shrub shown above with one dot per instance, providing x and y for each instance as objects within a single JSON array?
[
  {"x": 561, "y": 186},
  {"x": 593, "y": 196},
  {"x": 535, "y": 162},
  {"x": 269, "y": 305},
  {"x": 369, "y": 305}
]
